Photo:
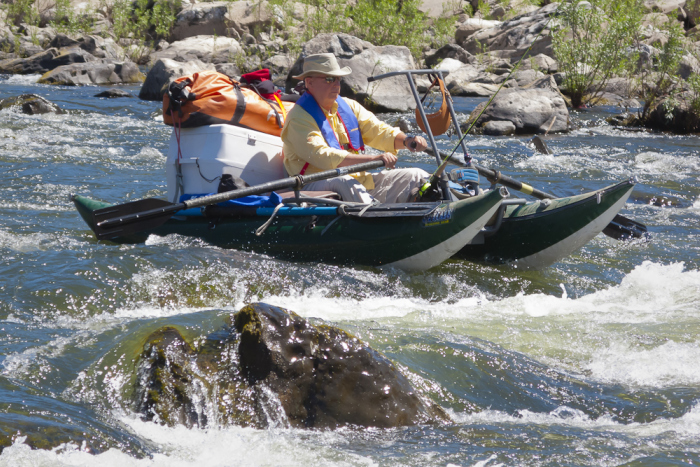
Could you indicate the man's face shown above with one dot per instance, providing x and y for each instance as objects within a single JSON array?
[{"x": 325, "y": 89}]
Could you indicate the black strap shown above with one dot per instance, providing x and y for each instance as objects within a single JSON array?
[{"x": 240, "y": 106}]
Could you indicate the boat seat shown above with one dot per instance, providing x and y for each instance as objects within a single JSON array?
[{"x": 310, "y": 194}]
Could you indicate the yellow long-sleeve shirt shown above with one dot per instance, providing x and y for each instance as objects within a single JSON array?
[{"x": 303, "y": 141}]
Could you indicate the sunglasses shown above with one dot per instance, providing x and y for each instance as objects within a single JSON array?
[{"x": 330, "y": 79}]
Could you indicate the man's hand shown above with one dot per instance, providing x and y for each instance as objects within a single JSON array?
[
  {"x": 415, "y": 143},
  {"x": 389, "y": 160}
]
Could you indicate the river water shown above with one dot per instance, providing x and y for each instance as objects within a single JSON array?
[{"x": 592, "y": 361}]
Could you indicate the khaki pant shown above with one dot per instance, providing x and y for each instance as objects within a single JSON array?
[{"x": 390, "y": 186}]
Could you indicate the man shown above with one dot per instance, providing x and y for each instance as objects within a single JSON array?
[{"x": 324, "y": 131}]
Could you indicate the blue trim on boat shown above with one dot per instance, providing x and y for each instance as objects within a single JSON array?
[{"x": 283, "y": 211}]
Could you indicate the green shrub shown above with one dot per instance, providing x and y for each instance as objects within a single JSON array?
[
  {"x": 590, "y": 44},
  {"x": 381, "y": 22},
  {"x": 660, "y": 80},
  {"x": 68, "y": 22},
  {"x": 22, "y": 11}
]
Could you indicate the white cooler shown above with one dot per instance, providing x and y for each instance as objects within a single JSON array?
[{"x": 210, "y": 151}]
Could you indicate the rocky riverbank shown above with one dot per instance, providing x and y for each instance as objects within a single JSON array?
[{"x": 484, "y": 42}]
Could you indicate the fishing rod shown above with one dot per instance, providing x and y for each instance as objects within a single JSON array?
[{"x": 441, "y": 167}]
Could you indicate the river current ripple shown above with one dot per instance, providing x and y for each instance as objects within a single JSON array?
[{"x": 593, "y": 361}]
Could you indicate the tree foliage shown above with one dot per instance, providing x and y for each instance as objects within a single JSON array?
[{"x": 590, "y": 43}]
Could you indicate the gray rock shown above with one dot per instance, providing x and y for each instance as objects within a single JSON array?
[
  {"x": 681, "y": 118},
  {"x": 113, "y": 93},
  {"x": 209, "y": 49},
  {"x": 164, "y": 72},
  {"x": 45, "y": 61},
  {"x": 512, "y": 38},
  {"x": 102, "y": 47},
  {"x": 609, "y": 98},
  {"x": 103, "y": 71},
  {"x": 365, "y": 59},
  {"x": 201, "y": 19},
  {"x": 540, "y": 62},
  {"x": 472, "y": 89},
  {"x": 229, "y": 69},
  {"x": 496, "y": 128},
  {"x": 526, "y": 77},
  {"x": 452, "y": 51},
  {"x": 278, "y": 64},
  {"x": 530, "y": 110},
  {"x": 62, "y": 40},
  {"x": 30, "y": 104},
  {"x": 663, "y": 6},
  {"x": 250, "y": 16},
  {"x": 471, "y": 26},
  {"x": 689, "y": 65},
  {"x": 273, "y": 366}
]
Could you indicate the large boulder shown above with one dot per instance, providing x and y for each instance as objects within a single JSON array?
[
  {"x": 452, "y": 51},
  {"x": 273, "y": 366},
  {"x": 471, "y": 26},
  {"x": 166, "y": 71},
  {"x": 45, "y": 61},
  {"x": 530, "y": 110},
  {"x": 540, "y": 62},
  {"x": 209, "y": 49},
  {"x": 675, "y": 114},
  {"x": 512, "y": 38},
  {"x": 249, "y": 16},
  {"x": 103, "y": 71},
  {"x": 220, "y": 18},
  {"x": 102, "y": 47},
  {"x": 200, "y": 19},
  {"x": 386, "y": 95},
  {"x": 30, "y": 104}
]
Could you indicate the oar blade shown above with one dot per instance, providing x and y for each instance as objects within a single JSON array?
[
  {"x": 133, "y": 225},
  {"x": 622, "y": 228},
  {"x": 540, "y": 145}
]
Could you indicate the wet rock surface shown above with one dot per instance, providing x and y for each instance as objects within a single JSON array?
[
  {"x": 30, "y": 104},
  {"x": 273, "y": 366}
]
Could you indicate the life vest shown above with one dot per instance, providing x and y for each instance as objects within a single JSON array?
[
  {"x": 345, "y": 115},
  {"x": 208, "y": 98}
]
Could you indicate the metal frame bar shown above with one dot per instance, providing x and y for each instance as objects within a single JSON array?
[{"x": 419, "y": 105}]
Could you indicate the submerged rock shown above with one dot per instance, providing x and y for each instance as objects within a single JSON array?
[
  {"x": 113, "y": 93},
  {"x": 273, "y": 366},
  {"x": 30, "y": 104}
]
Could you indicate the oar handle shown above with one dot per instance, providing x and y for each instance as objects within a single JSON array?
[
  {"x": 291, "y": 182},
  {"x": 497, "y": 177}
]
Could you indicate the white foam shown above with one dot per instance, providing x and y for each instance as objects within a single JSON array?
[
  {"x": 669, "y": 364},
  {"x": 21, "y": 79},
  {"x": 651, "y": 162},
  {"x": 180, "y": 446}
]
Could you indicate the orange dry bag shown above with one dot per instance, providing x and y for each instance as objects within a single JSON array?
[{"x": 209, "y": 98}]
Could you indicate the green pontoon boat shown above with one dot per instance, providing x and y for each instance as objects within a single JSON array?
[
  {"x": 412, "y": 236},
  {"x": 536, "y": 234}
]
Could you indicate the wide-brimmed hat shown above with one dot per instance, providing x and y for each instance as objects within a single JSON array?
[{"x": 324, "y": 64}]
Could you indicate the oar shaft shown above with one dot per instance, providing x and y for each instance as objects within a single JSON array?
[
  {"x": 290, "y": 182},
  {"x": 497, "y": 177}
]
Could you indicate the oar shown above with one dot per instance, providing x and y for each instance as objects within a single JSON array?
[
  {"x": 146, "y": 214},
  {"x": 619, "y": 228}
]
